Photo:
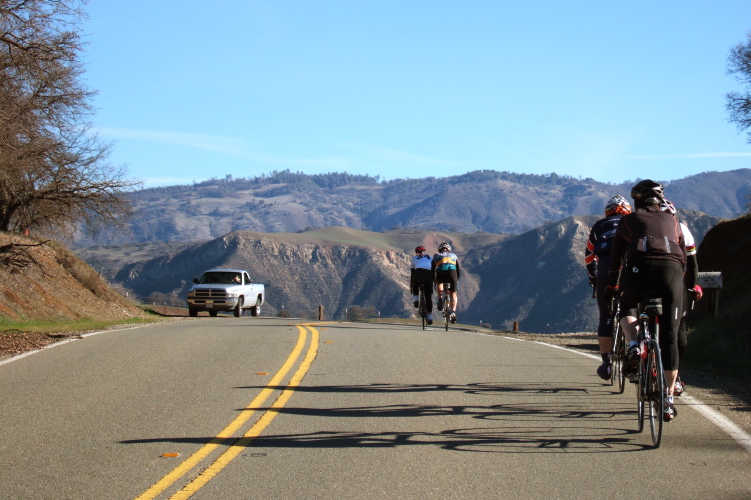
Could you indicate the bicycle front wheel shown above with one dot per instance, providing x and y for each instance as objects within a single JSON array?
[{"x": 656, "y": 392}]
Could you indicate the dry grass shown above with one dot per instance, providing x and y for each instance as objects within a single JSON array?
[
  {"x": 57, "y": 287},
  {"x": 17, "y": 337}
]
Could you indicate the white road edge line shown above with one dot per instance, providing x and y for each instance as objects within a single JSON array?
[
  {"x": 715, "y": 417},
  {"x": 61, "y": 342},
  {"x": 720, "y": 420}
]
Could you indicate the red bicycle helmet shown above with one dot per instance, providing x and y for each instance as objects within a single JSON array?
[{"x": 420, "y": 249}]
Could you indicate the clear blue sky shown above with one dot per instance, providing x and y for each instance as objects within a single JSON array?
[{"x": 612, "y": 90}]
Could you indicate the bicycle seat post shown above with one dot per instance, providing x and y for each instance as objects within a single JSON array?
[{"x": 653, "y": 306}]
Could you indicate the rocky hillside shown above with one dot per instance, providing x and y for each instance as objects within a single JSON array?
[
  {"x": 334, "y": 267},
  {"x": 49, "y": 282},
  {"x": 537, "y": 278},
  {"x": 488, "y": 201}
]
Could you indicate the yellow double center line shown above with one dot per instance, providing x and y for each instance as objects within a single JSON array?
[{"x": 223, "y": 437}]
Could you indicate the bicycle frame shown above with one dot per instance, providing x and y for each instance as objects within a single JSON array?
[
  {"x": 651, "y": 375},
  {"x": 445, "y": 297},
  {"x": 618, "y": 352},
  {"x": 423, "y": 311}
]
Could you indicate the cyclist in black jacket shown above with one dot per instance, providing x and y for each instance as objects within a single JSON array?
[
  {"x": 648, "y": 256},
  {"x": 597, "y": 260}
]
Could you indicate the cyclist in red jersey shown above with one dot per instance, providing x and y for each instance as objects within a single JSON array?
[{"x": 597, "y": 260}]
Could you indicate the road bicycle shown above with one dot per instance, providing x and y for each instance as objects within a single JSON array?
[
  {"x": 651, "y": 387},
  {"x": 445, "y": 298},
  {"x": 618, "y": 352},
  {"x": 423, "y": 306}
]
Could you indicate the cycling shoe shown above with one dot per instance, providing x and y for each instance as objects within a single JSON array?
[
  {"x": 669, "y": 413},
  {"x": 604, "y": 371},
  {"x": 678, "y": 388},
  {"x": 632, "y": 360}
]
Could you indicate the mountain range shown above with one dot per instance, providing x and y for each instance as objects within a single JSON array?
[
  {"x": 341, "y": 240},
  {"x": 536, "y": 278},
  {"x": 488, "y": 201}
]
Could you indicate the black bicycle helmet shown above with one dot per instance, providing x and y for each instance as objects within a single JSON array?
[{"x": 647, "y": 192}]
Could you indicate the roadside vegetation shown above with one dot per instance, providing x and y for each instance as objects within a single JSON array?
[
  {"x": 20, "y": 336},
  {"x": 67, "y": 327}
]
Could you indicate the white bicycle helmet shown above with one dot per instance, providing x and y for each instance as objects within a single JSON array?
[
  {"x": 667, "y": 206},
  {"x": 617, "y": 205}
]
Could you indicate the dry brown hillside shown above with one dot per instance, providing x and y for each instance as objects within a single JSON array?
[{"x": 48, "y": 282}]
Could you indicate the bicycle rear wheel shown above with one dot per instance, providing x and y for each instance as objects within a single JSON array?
[
  {"x": 446, "y": 309},
  {"x": 617, "y": 356},
  {"x": 656, "y": 392},
  {"x": 422, "y": 309},
  {"x": 641, "y": 392}
]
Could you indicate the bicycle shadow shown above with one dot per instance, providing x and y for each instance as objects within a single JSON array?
[{"x": 570, "y": 422}]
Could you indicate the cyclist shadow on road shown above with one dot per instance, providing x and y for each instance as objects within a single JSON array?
[{"x": 572, "y": 420}]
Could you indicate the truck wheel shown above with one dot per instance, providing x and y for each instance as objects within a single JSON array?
[
  {"x": 256, "y": 309},
  {"x": 193, "y": 312},
  {"x": 238, "y": 308},
  {"x": 213, "y": 313}
]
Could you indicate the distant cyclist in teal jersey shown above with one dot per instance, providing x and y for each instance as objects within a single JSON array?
[{"x": 446, "y": 269}]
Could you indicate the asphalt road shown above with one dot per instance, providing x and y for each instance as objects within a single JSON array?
[{"x": 262, "y": 408}]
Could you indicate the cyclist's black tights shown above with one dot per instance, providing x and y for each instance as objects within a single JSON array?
[
  {"x": 428, "y": 294},
  {"x": 682, "y": 333},
  {"x": 661, "y": 278},
  {"x": 605, "y": 325}
]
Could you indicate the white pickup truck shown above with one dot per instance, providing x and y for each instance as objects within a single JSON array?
[{"x": 225, "y": 290}]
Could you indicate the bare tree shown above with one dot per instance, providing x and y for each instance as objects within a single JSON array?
[
  {"x": 739, "y": 104},
  {"x": 53, "y": 168}
]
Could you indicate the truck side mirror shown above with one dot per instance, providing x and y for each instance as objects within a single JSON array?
[{"x": 195, "y": 280}]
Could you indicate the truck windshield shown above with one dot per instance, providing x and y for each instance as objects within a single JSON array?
[{"x": 221, "y": 278}]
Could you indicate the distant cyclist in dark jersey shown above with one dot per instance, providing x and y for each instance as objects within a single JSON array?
[
  {"x": 648, "y": 256},
  {"x": 597, "y": 260},
  {"x": 691, "y": 291},
  {"x": 446, "y": 270},
  {"x": 421, "y": 274}
]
